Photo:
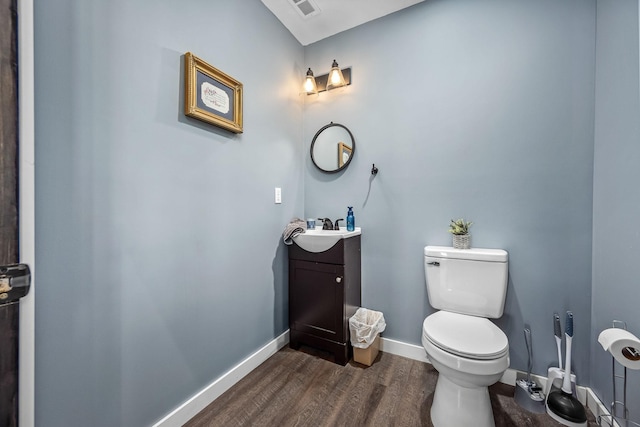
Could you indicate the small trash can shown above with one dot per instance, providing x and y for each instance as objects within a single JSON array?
[{"x": 365, "y": 327}]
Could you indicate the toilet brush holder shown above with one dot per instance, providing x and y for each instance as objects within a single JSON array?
[{"x": 528, "y": 394}]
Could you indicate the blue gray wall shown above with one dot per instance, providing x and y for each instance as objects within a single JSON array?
[
  {"x": 482, "y": 110},
  {"x": 616, "y": 198},
  {"x": 159, "y": 257}
]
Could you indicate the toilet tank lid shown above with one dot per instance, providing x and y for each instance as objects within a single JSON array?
[{"x": 476, "y": 254}]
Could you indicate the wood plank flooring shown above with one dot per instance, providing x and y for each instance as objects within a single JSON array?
[{"x": 302, "y": 388}]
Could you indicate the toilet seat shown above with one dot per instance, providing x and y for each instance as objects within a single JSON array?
[{"x": 465, "y": 336}]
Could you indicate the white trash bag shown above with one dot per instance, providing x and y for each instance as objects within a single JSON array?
[{"x": 364, "y": 326}]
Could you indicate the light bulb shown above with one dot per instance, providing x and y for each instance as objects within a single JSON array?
[{"x": 335, "y": 77}]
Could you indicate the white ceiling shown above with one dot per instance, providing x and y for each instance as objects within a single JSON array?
[{"x": 333, "y": 16}]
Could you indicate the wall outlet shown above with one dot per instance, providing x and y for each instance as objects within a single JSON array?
[{"x": 278, "y": 195}]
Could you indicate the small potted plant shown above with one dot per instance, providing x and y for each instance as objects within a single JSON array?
[{"x": 460, "y": 230}]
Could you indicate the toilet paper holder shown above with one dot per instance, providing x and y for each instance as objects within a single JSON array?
[{"x": 617, "y": 406}]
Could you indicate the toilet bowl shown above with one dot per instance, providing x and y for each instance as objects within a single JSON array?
[
  {"x": 467, "y": 363},
  {"x": 469, "y": 351}
]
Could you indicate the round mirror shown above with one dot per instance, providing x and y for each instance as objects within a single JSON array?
[{"x": 332, "y": 148}]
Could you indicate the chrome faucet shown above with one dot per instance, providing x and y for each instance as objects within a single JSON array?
[{"x": 336, "y": 226}]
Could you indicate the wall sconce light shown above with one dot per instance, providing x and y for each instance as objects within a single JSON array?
[
  {"x": 310, "y": 86},
  {"x": 333, "y": 79}
]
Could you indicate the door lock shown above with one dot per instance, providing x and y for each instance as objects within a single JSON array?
[{"x": 15, "y": 280}]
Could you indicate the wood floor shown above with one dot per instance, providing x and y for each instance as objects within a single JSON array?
[{"x": 301, "y": 388}]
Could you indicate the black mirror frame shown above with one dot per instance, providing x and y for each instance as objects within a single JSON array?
[{"x": 353, "y": 147}]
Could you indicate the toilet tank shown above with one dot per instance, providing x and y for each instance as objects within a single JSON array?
[{"x": 467, "y": 281}]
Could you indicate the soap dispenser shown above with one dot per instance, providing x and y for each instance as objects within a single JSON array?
[{"x": 351, "y": 220}]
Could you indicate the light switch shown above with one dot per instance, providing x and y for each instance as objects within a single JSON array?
[{"x": 278, "y": 195}]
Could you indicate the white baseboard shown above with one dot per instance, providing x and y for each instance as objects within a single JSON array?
[
  {"x": 200, "y": 400},
  {"x": 399, "y": 348},
  {"x": 596, "y": 407}
]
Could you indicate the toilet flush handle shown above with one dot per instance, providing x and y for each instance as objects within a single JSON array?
[{"x": 434, "y": 263}]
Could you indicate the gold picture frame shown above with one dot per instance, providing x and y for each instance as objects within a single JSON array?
[
  {"x": 211, "y": 95},
  {"x": 344, "y": 154}
]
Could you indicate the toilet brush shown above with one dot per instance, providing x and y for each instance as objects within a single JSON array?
[
  {"x": 561, "y": 405},
  {"x": 527, "y": 393}
]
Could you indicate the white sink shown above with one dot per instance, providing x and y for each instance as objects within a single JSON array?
[{"x": 319, "y": 240}]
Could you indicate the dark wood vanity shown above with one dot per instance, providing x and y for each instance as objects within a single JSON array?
[{"x": 324, "y": 292}]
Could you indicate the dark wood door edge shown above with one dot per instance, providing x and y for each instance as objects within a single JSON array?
[{"x": 9, "y": 313}]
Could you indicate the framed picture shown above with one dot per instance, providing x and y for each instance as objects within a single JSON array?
[
  {"x": 344, "y": 153},
  {"x": 211, "y": 95}
]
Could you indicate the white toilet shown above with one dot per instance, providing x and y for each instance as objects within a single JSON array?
[{"x": 469, "y": 352}]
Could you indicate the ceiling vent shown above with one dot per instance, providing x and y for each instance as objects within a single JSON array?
[{"x": 306, "y": 8}]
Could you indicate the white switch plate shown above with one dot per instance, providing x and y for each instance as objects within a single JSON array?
[{"x": 278, "y": 194}]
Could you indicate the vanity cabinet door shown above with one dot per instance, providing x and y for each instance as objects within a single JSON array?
[{"x": 316, "y": 299}]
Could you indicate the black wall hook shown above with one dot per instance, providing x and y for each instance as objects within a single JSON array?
[{"x": 374, "y": 169}]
